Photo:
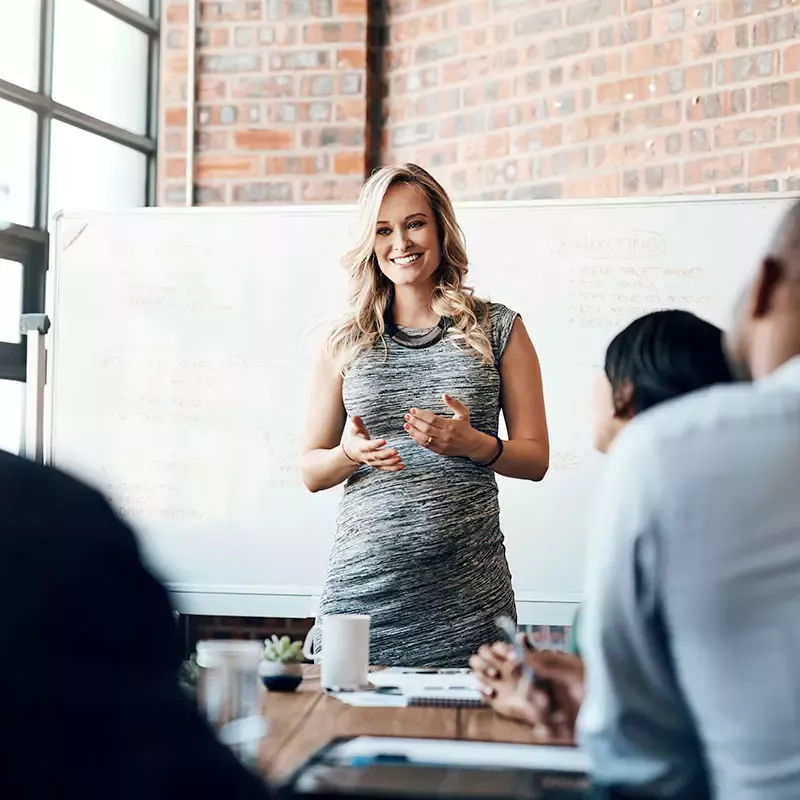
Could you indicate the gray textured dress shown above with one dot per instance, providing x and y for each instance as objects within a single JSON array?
[{"x": 421, "y": 550}]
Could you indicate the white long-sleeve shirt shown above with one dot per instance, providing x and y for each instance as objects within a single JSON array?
[{"x": 691, "y": 626}]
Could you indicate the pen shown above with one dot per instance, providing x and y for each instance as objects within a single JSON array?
[{"x": 510, "y": 630}]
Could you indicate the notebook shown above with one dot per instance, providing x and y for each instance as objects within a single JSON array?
[
  {"x": 453, "y": 689},
  {"x": 446, "y": 698}
]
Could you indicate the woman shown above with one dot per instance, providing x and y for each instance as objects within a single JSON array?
[
  {"x": 422, "y": 369},
  {"x": 657, "y": 357}
]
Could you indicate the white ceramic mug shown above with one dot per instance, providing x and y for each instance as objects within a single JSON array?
[{"x": 345, "y": 651}]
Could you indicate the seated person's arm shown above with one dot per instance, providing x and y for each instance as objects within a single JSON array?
[{"x": 633, "y": 722}]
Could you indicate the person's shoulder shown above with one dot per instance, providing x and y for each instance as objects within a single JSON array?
[
  {"x": 703, "y": 413},
  {"x": 499, "y": 310},
  {"x": 23, "y": 480}
]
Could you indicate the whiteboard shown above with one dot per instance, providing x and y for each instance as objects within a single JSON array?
[{"x": 182, "y": 342}]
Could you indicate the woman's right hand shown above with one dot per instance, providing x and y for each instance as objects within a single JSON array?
[{"x": 359, "y": 448}]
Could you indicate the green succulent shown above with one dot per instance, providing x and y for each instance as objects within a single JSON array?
[{"x": 283, "y": 650}]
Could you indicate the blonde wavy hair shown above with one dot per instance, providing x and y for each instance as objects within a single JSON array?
[{"x": 370, "y": 289}]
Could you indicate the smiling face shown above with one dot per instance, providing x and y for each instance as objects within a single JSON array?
[{"x": 407, "y": 236}]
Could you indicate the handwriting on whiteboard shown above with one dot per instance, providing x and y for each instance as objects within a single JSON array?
[{"x": 635, "y": 244}]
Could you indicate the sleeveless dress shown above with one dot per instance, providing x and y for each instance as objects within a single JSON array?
[{"x": 421, "y": 550}]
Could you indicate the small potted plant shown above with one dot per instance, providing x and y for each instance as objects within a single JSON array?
[{"x": 282, "y": 670}]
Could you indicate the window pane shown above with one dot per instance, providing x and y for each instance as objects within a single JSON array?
[
  {"x": 19, "y": 42},
  {"x": 10, "y": 300},
  {"x": 12, "y": 404},
  {"x": 111, "y": 83},
  {"x": 89, "y": 173},
  {"x": 17, "y": 163}
]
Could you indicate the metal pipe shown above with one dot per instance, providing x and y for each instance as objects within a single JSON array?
[{"x": 191, "y": 58}]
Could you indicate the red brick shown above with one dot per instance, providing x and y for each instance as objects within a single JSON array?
[
  {"x": 338, "y": 190},
  {"x": 175, "y": 116},
  {"x": 562, "y": 163},
  {"x": 175, "y": 141},
  {"x": 351, "y": 110},
  {"x": 790, "y": 125},
  {"x": 723, "y": 40},
  {"x": 774, "y": 29},
  {"x": 212, "y": 140},
  {"x": 670, "y": 20},
  {"x": 230, "y": 10},
  {"x": 654, "y": 56},
  {"x": 746, "y": 67},
  {"x": 349, "y": 163},
  {"x": 593, "y": 128},
  {"x": 263, "y": 139},
  {"x": 334, "y": 32},
  {"x": 718, "y": 104},
  {"x": 219, "y": 37},
  {"x": 744, "y": 132},
  {"x": 736, "y": 9},
  {"x": 211, "y": 89},
  {"x": 631, "y": 90},
  {"x": 296, "y": 165},
  {"x": 175, "y": 167},
  {"x": 652, "y": 179},
  {"x": 350, "y": 8},
  {"x": 712, "y": 170},
  {"x": 226, "y": 166},
  {"x": 597, "y": 186},
  {"x": 538, "y": 138},
  {"x": 353, "y": 58},
  {"x": 175, "y": 65},
  {"x": 174, "y": 91},
  {"x": 652, "y": 116},
  {"x": 791, "y": 58},
  {"x": 774, "y": 160},
  {"x": 775, "y": 95},
  {"x": 177, "y": 13}
]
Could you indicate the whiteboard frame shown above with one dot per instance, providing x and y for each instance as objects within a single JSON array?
[{"x": 533, "y": 608}]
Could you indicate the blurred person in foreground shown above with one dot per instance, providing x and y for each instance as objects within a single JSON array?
[
  {"x": 90, "y": 700},
  {"x": 691, "y": 633}
]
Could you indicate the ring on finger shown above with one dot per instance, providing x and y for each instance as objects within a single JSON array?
[{"x": 428, "y": 441}]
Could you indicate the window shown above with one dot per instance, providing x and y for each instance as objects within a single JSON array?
[
  {"x": 19, "y": 42},
  {"x": 117, "y": 93},
  {"x": 17, "y": 164},
  {"x": 10, "y": 300},
  {"x": 12, "y": 408},
  {"x": 117, "y": 177},
  {"x": 77, "y": 123}
]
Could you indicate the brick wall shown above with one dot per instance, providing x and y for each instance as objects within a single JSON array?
[
  {"x": 297, "y": 99},
  {"x": 514, "y": 99},
  {"x": 281, "y": 101}
]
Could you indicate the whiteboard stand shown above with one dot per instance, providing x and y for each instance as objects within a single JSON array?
[{"x": 35, "y": 327}]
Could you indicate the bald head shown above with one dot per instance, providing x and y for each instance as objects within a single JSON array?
[
  {"x": 785, "y": 244},
  {"x": 767, "y": 329}
]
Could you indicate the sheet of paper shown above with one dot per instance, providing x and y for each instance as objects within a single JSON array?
[
  {"x": 374, "y": 699},
  {"x": 417, "y": 683},
  {"x": 473, "y": 754}
]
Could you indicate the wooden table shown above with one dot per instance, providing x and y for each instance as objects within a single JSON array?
[{"x": 303, "y": 721}]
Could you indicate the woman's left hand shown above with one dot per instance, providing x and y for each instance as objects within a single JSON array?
[{"x": 445, "y": 436}]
